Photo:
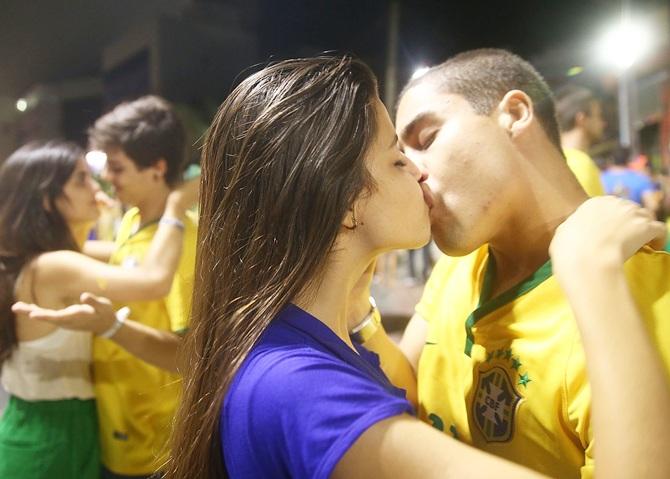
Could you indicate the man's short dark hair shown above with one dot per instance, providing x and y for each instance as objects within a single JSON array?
[
  {"x": 484, "y": 76},
  {"x": 146, "y": 129},
  {"x": 571, "y": 100}
]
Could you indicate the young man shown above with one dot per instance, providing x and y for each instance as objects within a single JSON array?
[
  {"x": 494, "y": 344},
  {"x": 580, "y": 119},
  {"x": 145, "y": 146}
]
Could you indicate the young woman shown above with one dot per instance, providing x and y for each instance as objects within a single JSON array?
[
  {"x": 303, "y": 187},
  {"x": 47, "y": 206}
]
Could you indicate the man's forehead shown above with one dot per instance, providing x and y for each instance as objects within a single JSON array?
[{"x": 421, "y": 105}]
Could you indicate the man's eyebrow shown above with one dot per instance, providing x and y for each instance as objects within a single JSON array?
[{"x": 411, "y": 126}]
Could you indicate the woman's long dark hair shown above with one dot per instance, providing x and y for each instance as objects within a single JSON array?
[
  {"x": 30, "y": 181},
  {"x": 283, "y": 163}
]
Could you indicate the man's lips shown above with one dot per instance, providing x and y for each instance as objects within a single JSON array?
[{"x": 427, "y": 195}]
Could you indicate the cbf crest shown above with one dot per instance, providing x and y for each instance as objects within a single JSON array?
[{"x": 494, "y": 405}]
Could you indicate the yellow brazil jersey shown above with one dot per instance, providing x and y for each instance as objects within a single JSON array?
[
  {"x": 507, "y": 374},
  {"x": 136, "y": 401},
  {"x": 585, "y": 170}
]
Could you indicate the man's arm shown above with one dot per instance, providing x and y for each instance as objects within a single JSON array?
[
  {"x": 400, "y": 362},
  {"x": 97, "y": 315},
  {"x": 156, "y": 347}
]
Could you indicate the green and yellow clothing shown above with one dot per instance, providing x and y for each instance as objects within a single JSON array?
[
  {"x": 508, "y": 374},
  {"x": 585, "y": 170},
  {"x": 136, "y": 401}
]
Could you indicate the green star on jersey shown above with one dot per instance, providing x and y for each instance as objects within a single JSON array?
[{"x": 524, "y": 380}]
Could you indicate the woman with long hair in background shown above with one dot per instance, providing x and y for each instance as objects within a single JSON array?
[{"x": 47, "y": 207}]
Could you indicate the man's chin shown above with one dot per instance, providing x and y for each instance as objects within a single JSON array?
[{"x": 451, "y": 245}]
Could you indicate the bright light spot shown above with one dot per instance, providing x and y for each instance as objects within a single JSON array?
[
  {"x": 21, "y": 104},
  {"x": 96, "y": 160},
  {"x": 625, "y": 43},
  {"x": 574, "y": 71},
  {"x": 419, "y": 72}
]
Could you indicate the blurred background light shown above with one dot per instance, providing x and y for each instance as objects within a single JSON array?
[
  {"x": 21, "y": 104},
  {"x": 420, "y": 71},
  {"x": 574, "y": 71},
  {"x": 96, "y": 161},
  {"x": 625, "y": 42}
]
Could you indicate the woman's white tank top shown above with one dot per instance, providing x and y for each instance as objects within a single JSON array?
[{"x": 56, "y": 366}]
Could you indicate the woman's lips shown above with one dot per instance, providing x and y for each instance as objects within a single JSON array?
[{"x": 427, "y": 195}]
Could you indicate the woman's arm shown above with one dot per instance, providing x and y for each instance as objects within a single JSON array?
[
  {"x": 402, "y": 447},
  {"x": 70, "y": 273},
  {"x": 630, "y": 391},
  {"x": 97, "y": 315},
  {"x": 97, "y": 249}
]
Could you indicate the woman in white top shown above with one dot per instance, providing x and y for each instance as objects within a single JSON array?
[{"x": 47, "y": 207}]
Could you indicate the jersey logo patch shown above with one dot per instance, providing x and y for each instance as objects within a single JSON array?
[{"x": 494, "y": 405}]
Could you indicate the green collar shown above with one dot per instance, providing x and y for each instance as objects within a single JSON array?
[{"x": 487, "y": 304}]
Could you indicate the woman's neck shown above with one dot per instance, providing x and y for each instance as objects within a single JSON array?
[
  {"x": 80, "y": 233},
  {"x": 328, "y": 300}
]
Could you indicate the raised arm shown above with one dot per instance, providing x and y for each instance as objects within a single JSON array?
[
  {"x": 630, "y": 391},
  {"x": 69, "y": 273}
]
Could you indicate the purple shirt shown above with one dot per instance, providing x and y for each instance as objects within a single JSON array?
[{"x": 300, "y": 400}]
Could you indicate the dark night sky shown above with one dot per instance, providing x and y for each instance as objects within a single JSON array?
[
  {"x": 430, "y": 31},
  {"x": 51, "y": 40}
]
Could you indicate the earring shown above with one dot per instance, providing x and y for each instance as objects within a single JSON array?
[{"x": 353, "y": 220}]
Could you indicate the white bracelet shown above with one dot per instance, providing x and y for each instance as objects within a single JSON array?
[
  {"x": 121, "y": 316},
  {"x": 368, "y": 325},
  {"x": 167, "y": 220}
]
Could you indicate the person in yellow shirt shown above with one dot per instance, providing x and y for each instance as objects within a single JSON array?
[
  {"x": 493, "y": 345},
  {"x": 581, "y": 122},
  {"x": 135, "y": 378}
]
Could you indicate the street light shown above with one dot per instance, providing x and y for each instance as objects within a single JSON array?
[
  {"x": 21, "y": 104},
  {"x": 625, "y": 42},
  {"x": 621, "y": 46}
]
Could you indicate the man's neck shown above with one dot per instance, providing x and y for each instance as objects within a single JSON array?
[
  {"x": 152, "y": 207},
  {"x": 575, "y": 139},
  {"x": 522, "y": 246}
]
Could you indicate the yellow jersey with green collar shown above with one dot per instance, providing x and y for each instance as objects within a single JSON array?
[
  {"x": 586, "y": 171},
  {"x": 136, "y": 401},
  {"x": 507, "y": 374}
]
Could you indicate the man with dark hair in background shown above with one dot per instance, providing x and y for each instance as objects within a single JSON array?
[
  {"x": 621, "y": 180},
  {"x": 493, "y": 346},
  {"x": 581, "y": 122},
  {"x": 145, "y": 146}
]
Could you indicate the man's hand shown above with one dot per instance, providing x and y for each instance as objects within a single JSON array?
[{"x": 94, "y": 314}]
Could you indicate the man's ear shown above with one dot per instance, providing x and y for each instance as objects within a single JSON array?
[
  {"x": 161, "y": 167},
  {"x": 580, "y": 118},
  {"x": 515, "y": 112}
]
